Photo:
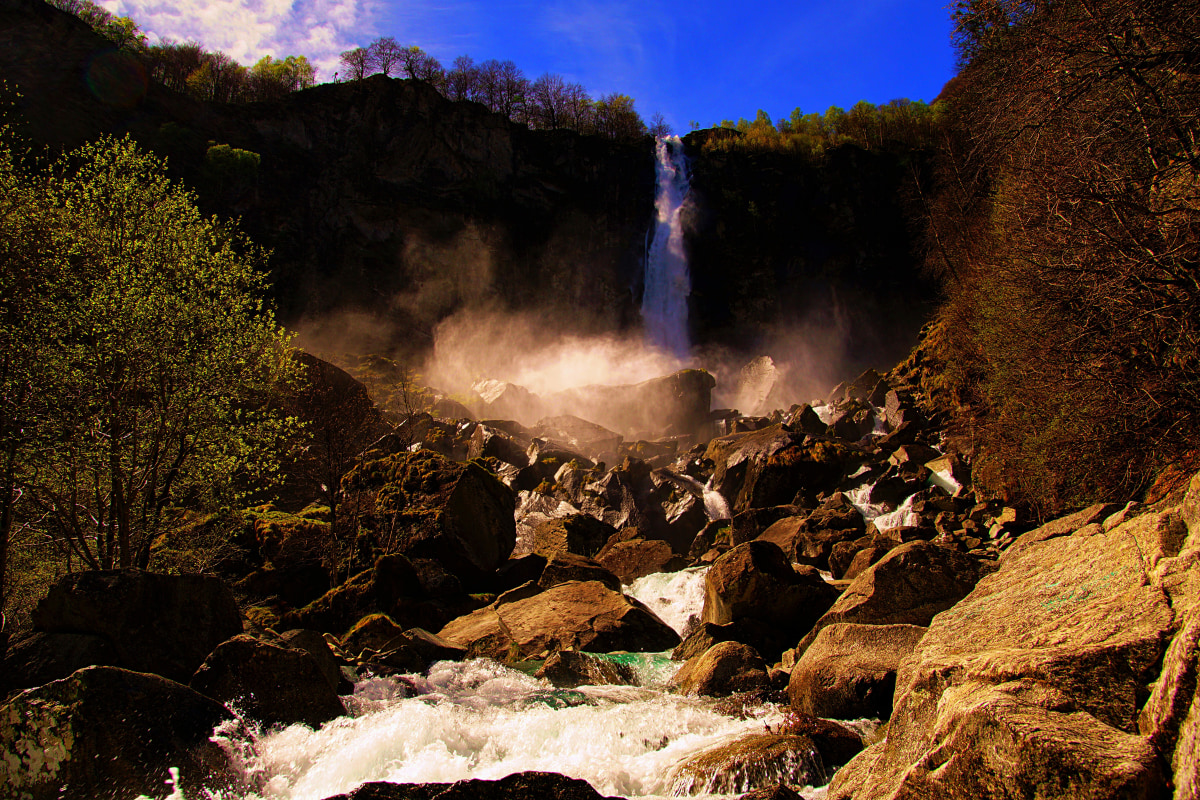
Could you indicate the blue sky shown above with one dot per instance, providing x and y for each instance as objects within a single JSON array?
[{"x": 702, "y": 61}]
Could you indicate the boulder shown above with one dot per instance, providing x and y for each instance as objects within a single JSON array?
[
  {"x": 567, "y": 669},
  {"x": 425, "y": 506},
  {"x": 634, "y": 558},
  {"x": 908, "y": 586},
  {"x": 578, "y": 533},
  {"x": 755, "y": 581},
  {"x": 575, "y": 615},
  {"x": 810, "y": 540},
  {"x": 565, "y": 567},
  {"x": 725, "y": 668},
  {"x": 267, "y": 683},
  {"x": 849, "y": 671},
  {"x": 770, "y": 466},
  {"x": 1032, "y": 684},
  {"x": 165, "y": 624},
  {"x": 315, "y": 645},
  {"x": 701, "y": 638},
  {"x": 754, "y": 761},
  {"x": 488, "y": 442},
  {"x": 836, "y": 743},
  {"x": 110, "y": 732},
  {"x": 519, "y": 786},
  {"x": 1063, "y": 526},
  {"x": 780, "y": 791}
]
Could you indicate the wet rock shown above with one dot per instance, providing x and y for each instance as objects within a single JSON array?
[
  {"x": 754, "y": 761},
  {"x": 165, "y": 624},
  {"x": 269, "y": 684},
  {"x": 725, "y": 668},
  {"x": 849, "y": 671},
  {"x": 578, "y": 533},
  {"x": 499, "y": 399},
  {"x": 910, "y": 585},
  {"x": 810, "y": 540},
  {"x": 755, "y": 581},
  {"x": 634, "y": 558},
  {"x": 425, "y": 506},
  {"x": 109, "y": 732},
  {"x": 564, "y": 567},
  {"x": 836, "y": 743},
  {"x": 1037, "y": 675},
  {"x": 576, "y": 615},
  {"x": 567, "y": 669}
]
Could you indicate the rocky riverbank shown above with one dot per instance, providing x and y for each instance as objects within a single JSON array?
[{"x": 850, "y": 572}]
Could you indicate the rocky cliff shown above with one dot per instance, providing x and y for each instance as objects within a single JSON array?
[{"x": 379, "y": 195}]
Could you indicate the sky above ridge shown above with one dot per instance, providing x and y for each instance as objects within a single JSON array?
[{"x": 703, "y": 61}]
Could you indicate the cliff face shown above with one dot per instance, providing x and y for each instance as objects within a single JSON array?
[
  {"x": 379, "y": 195},
  {"x": 384, "y": 199},
  {"x": 780, "y": 242}
]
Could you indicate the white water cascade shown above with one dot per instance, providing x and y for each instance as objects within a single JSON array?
[{"x": 667, "y": 284}]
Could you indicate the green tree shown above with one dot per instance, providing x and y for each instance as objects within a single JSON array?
[{"x": 152, "y": 360}]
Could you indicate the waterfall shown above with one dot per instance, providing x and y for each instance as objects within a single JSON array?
[{"x": 667, "y": 284}]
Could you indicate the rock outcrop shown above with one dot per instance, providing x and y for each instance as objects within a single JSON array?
[
  {"x": 1033, "y": 684},
  {"x": 267, "y": 683},
  {"x": 165, "y": 624}
]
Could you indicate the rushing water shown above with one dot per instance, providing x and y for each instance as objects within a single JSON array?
[
  {"x": 667, "y": 283},
  {"x": 480, "y": 719}
]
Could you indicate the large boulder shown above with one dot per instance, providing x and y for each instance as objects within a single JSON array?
[
  {"x": 38, "y": 658},
  {"x": 565, "y": 567},
  {"x": 107, "y": 732},
  {"x": 630, "y": 559},
  {"x": 567, "y": 669},
  {"x": 519, "y": 786},
  {"x": 769, "y": 467},
  {"x": 725, "y": 668},
  {"x": 810, "y": 540},
  {"x": 165, "y": 624},
  {"x": 426, "y": 506},
  {"x": 849, "y": 671},
  {"x": 267, "y": 683},
  {"x": 1032, "y": 684},
  {"x": 580, "y": 615},
  {"x": 755, "y": 581},
  {"x": 908, "y": 586}
]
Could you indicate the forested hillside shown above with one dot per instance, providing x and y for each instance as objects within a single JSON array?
[{"x": 1066, "y": 230}]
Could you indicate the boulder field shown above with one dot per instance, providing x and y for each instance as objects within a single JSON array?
[{"x": 852, "y": 572}]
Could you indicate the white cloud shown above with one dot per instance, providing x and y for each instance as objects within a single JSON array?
[{"x": 247, "y": 30}]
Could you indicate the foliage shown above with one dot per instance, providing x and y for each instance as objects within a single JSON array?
[
  {"x": 123, "y": 32},
  {"x": 1072, "y": 173},
  {"x": 139, "y": 363},
  {"x": 900, "y": 124}
]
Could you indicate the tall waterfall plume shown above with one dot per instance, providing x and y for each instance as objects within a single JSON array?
[{"x": 667, "y": 283}]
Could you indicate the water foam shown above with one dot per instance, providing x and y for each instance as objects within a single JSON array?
[
  {"x": 676, "y": 597},
  {"x": 479, "y": 719}
]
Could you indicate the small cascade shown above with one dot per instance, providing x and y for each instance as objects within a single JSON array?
[
  {"x": 667, "y": 283},
  {"x": 676, "y": 597}
]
